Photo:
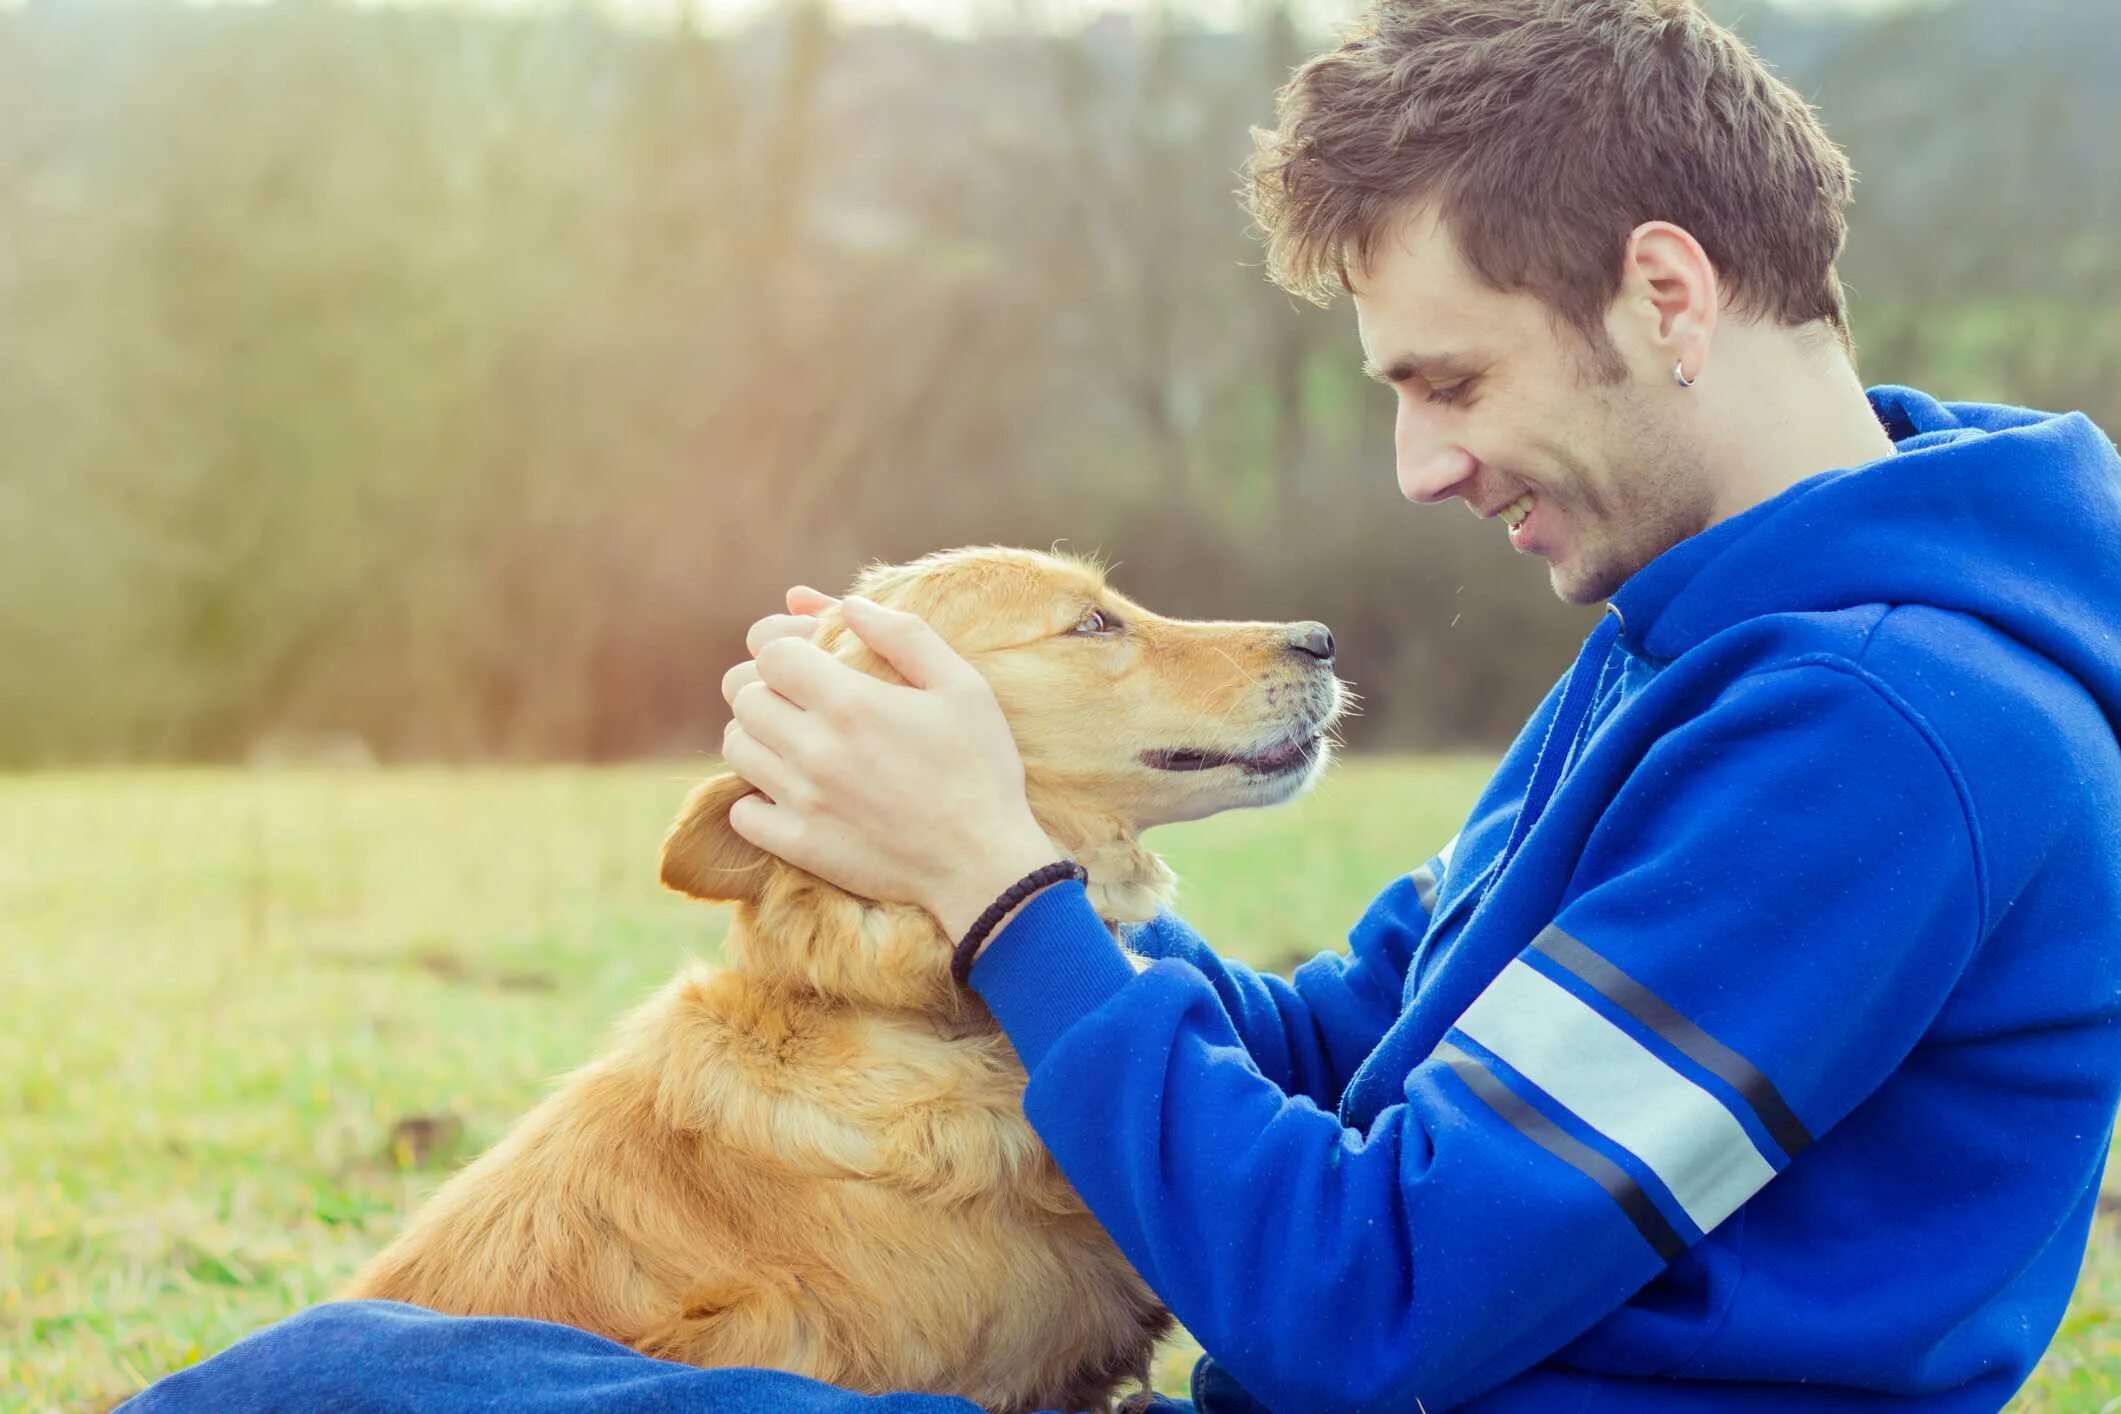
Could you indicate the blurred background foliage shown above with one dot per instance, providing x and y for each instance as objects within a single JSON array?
[{"x": 454, "y": 384}]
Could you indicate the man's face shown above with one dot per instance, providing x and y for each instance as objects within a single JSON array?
[{"x": 1502, "y": 405}]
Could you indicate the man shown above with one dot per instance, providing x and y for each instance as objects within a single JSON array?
[{"x": 1755, "y": 1045}]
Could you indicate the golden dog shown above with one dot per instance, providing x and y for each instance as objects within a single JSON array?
[{"x": 814, "y": 1157}]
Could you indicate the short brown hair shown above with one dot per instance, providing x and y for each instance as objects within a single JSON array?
[{"x": 1543, "y": 132}]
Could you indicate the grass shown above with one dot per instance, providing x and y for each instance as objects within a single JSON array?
[{"x": 252, "y": 1018}]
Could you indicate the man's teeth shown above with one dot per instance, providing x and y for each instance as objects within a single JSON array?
[{"x": 1514, "y": 513}]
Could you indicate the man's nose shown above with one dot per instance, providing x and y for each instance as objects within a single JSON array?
[{"x": 1431, "y": 467}]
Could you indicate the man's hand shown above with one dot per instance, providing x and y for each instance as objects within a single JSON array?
[{"x": 911, "y": 794}]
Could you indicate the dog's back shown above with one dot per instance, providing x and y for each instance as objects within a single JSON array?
[{"x": 756, "y": 1177}]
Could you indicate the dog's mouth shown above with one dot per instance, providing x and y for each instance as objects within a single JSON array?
[{"x": 1292, "y": 753}]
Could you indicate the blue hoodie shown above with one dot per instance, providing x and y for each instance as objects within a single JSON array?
[{"x": 1754, "y": 1046}]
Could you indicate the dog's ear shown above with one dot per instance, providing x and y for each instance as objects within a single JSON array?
[{"x": 703, "y": 857}]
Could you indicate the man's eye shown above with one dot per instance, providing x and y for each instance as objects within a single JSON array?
[
  {"x": 1451, "y": 396},
  {"x": 1095, "y": 622}
]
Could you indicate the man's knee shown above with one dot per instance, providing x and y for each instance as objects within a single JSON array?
[{"x": 345, "y": 1355}]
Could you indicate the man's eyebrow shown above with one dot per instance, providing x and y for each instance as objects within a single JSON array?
[{"x": 1429, "y": 367}]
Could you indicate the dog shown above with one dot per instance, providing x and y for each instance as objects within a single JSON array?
[{"x": 814, "y": 1157}]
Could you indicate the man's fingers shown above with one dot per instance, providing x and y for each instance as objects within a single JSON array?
[
  {"x": 771, "y": 828},
  {"x": 907, "y": 643},
  {"x": 804, "y": 600},
  {"x": 778, "y": 626},
  {"x": 808, "y": 676},
  {"x": 761, "y": 766},
  {"x": 773, "y": 721},
  {"x": 737, "y": 679}
]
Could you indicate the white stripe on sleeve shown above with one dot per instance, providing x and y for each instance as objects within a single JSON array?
[{"x": 1610, "y": 1081}]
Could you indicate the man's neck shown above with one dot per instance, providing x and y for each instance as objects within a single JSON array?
[{"x": 1790, "y": 407}]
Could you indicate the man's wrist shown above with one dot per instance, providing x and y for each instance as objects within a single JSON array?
[{"x": 963, "y": 902}]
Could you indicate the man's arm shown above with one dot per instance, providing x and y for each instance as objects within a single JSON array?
[
  {"x": 863, "y": 816},
  {"x": 1308, "y": 1034},
  {"x": 1654, "y": 1059}
]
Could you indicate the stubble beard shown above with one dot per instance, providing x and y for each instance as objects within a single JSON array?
[{"x": 1654, "y": 493}]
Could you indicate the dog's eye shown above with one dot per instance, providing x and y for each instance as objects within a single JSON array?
[{"x": 1095, "y": 622}]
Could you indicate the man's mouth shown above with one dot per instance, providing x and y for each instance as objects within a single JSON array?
[
  {"x": 1513, "y": 515},
  {"x": 1289, "y": 754}
]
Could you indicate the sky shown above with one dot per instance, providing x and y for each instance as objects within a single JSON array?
[
  {"x": 959, "y": 16},
  {"x": 952, "y": 14},
  {"x": 969, "y": 16},
  {"x": 962, "y": 17}
]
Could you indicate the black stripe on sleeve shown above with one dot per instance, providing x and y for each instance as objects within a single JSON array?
[
  {"x": 1533, "y": 1125},
  {"x": 1681, "y": 1034}
]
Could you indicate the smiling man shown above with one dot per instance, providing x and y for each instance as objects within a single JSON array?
[
  {"x": 1590, "y": 457},
  {"x": 1755, "y": 1045}
]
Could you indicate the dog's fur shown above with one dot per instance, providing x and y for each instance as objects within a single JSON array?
[{"x": 814, "y": 1157}]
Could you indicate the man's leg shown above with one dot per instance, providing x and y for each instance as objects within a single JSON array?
[
  {"x": 382, "y": 1357},
  {"x": 378, "y": 1356}
]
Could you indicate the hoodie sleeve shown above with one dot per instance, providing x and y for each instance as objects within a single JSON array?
[
  {"x": 1308, "y": 1034},
  {"x": 1763, "y": 925}
]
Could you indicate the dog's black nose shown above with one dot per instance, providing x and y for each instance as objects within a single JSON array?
[{"x": 1316, "y": 640}]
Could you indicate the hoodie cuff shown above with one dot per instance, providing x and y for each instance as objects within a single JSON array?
[{"x": 1051, "y": 966}]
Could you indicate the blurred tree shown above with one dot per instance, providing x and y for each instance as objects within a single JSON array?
[{"x": 468, "y": 380}]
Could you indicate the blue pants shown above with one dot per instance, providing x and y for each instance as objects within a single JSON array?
[{"x": 378, "y": 1356}]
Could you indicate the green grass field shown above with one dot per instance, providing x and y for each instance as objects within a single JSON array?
[{"x": 252, "y": 1018}]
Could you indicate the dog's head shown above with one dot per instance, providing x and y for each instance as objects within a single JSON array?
[{"x": 1125, "y": 719}]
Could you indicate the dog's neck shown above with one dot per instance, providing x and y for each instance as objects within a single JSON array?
[
  {"x": 809, "y": 936},
  {"x": 1127, "y": 883}
]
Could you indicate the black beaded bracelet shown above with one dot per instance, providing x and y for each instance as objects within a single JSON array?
[{"x": 968, "y": 946}]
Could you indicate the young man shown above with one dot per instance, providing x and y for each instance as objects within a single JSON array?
[{"x": 1755, "y": 1045}]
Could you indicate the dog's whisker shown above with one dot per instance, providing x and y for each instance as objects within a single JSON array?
[
  {"x": 1212, "y": 705},
  {"x": 1248, "y": 674},
  {"x": 1213, "y": 708}
]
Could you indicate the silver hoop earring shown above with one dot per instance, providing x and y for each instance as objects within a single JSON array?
[{"x": 1679, "y": 374}]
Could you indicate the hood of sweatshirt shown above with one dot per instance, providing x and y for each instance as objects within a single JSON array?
[{"x": 2006, "y": 514}]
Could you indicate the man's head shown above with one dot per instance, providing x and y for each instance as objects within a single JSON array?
[{"x": 1543, "y": 208}]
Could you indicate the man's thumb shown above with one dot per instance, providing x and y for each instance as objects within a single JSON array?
[{"x": 904, "y": 641}]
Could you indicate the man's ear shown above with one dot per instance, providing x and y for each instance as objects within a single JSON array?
[{"x": 703, "y": 857}]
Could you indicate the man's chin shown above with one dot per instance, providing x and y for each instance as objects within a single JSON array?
[{"x": 1578, "y": 583}]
